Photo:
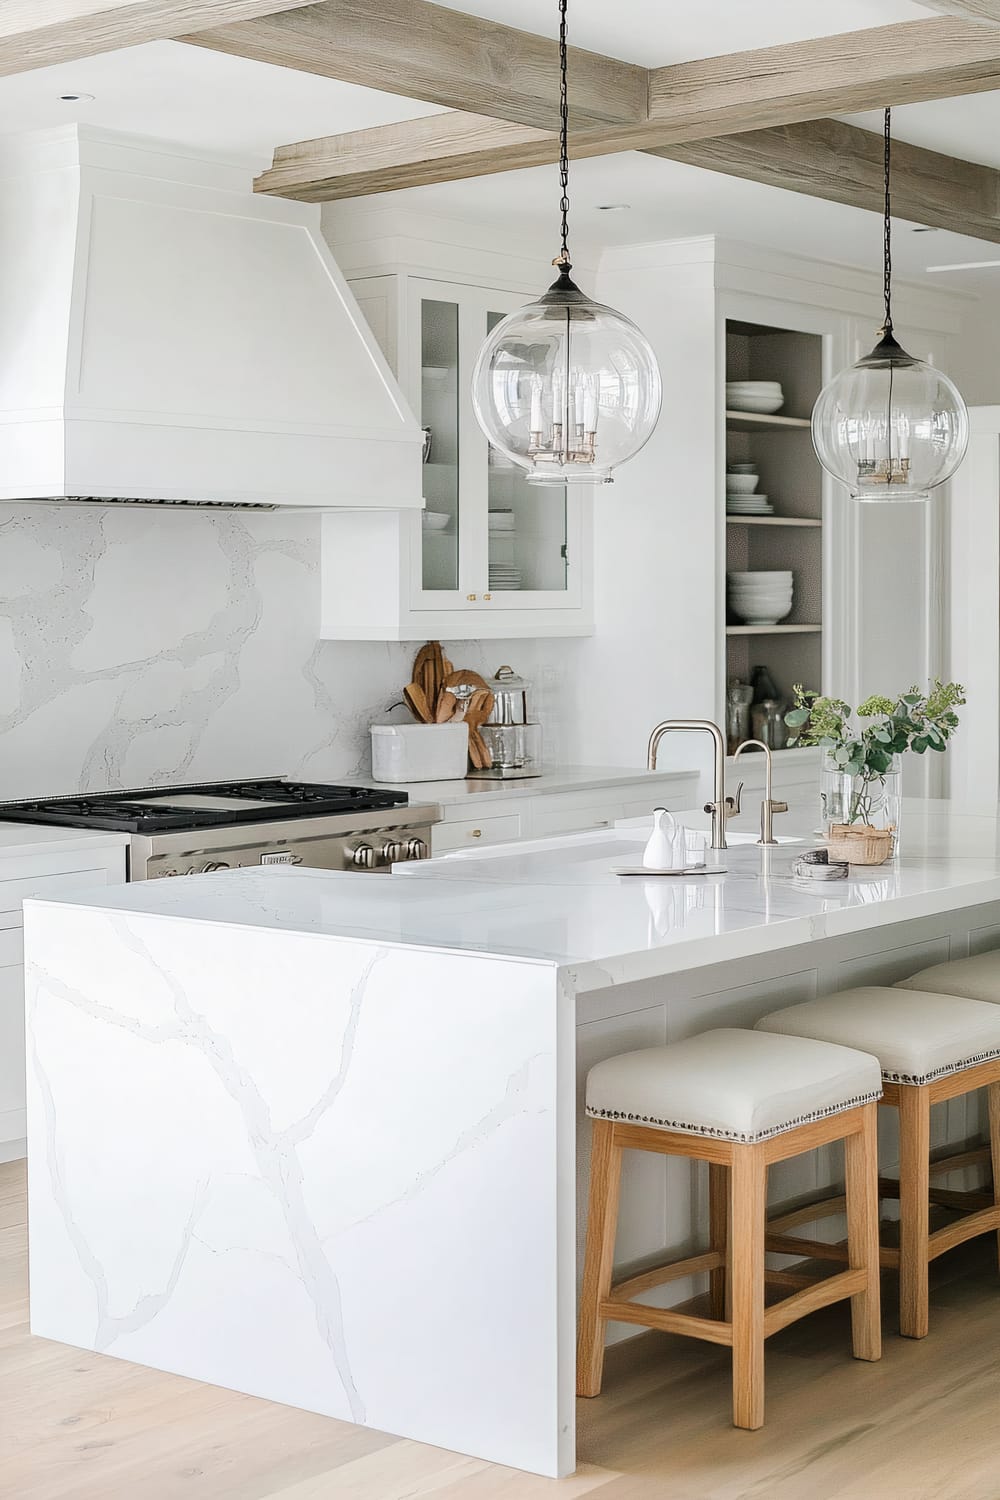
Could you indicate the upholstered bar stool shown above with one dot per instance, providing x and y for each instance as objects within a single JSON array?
[
  {"x": 931, "y": 1047},
  {"x": 739, "y": 1100},
  {"x": 975, "y": 978}
]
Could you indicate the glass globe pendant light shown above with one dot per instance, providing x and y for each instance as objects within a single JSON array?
[
  {"x": 891, "y": 427},
  {"x": 566, "y": 388}
]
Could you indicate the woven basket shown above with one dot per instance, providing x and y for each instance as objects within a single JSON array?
[{"x": 860, "y": 845}]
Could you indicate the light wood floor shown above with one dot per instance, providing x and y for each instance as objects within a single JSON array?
[{"x": 922, "y": 1425}]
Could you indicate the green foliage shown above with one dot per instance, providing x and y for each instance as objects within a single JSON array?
[{"x": 914, "y": 721}]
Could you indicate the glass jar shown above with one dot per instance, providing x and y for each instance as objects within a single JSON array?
[
  {"x": 867, "y": 800},
  {"x": 739, "y": 696}
]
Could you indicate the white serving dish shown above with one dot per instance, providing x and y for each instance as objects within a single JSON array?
[
  {"x": 762, "y": 408},
  {"x": 742, "y": 484},
  {"x": 435, "y": 520},
  {"x": 419, "y": 752}
]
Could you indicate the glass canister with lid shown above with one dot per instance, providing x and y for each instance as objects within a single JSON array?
[{"x": 512, "y": 737}]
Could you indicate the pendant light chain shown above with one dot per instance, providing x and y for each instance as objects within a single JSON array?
[
  {"x": 887, "y": 229},
  {"x": 562, "y": 259}
]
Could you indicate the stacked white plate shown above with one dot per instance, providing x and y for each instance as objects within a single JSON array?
[
  {"x": 760, "y": 598},
  {"x": 762, "y": 396},
  {"x": 748, "y": 505},
  {"x": 501, "y": 520},
  {"x": 504, "y": 576}
]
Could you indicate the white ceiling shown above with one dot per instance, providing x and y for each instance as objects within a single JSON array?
[
  {"x": 655, "y": 32},
  {"x": 198, "y": 98},
  {"x": 243, "y": 109}
]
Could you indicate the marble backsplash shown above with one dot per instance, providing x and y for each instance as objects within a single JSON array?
[{"x": 144, "y": 646}]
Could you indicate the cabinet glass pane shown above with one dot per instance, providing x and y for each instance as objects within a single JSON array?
[
  {"x": 527, "y": 525},
  {"x": 439, "y": 405}
]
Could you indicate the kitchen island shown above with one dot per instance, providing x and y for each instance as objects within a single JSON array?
[{"x": 315, "y": 1136}]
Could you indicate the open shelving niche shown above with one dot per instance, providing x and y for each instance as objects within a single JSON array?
[{"x": 791, "y": 477}]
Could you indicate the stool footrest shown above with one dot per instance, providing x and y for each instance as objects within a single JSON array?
[
  {"x": 983, "y": 1222},
  {"x": 712, "y": 1260},
  {"x": 666, "y": 1320},
  {"x": 812, "y": 1298}
]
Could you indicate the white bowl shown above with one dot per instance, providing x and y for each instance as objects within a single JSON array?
[
  {"x": 760, "y": 387},
  {"x": 435, "y": 520},
  {"x": 758, "y": 575},
  {"x": 755, "y": 615},
  {"x": 741, "y": 484},
  {"x": 763, "y": 407},
  {"x": 741, "y": 468}
]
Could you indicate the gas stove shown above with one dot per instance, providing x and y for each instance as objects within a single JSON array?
[{"x": 231, "y": 824}]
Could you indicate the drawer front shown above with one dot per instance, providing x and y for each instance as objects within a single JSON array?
[
  {"x": 554, "y": 818},
  {"x": 473, "y": 833}
]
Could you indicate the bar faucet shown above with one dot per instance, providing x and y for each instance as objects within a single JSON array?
[
  {"x": 721, "y": 807},
  {"x": 768, "y": 807}
]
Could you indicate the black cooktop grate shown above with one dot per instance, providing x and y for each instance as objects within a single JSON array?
[{"x": 137, "y": 812}]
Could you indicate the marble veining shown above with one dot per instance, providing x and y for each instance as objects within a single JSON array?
[
  {"x": 180, "y": 646},
  {"x": 307, "y": 1142}
]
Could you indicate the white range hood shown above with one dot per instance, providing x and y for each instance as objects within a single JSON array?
[{"x": 167, "y": 336}]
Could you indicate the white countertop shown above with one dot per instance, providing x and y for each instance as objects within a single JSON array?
[
  {"x": 561, "y": 903},
  {"x": 44, "y": 838},
  {"x": 553, "y": 779}
]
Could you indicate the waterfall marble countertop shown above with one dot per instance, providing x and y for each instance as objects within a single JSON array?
[
  {"x": 558, "y": 901},
  {"x": 313, "y": 1136}
]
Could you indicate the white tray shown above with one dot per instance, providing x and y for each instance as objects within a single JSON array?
[{"x": 655, "y": 874}]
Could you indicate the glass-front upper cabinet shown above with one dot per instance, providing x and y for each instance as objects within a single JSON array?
[
  {"x": 491, "y": 556},
  {"x": 489, "y": 540}
]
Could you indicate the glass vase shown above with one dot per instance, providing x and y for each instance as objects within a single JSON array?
[{"x": 867, "y": 800}]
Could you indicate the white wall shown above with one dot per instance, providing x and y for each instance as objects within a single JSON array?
[{"x": 142, "y": 646}]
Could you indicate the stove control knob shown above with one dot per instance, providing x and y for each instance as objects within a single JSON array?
[
  {"x": 214, "y": 864},
  {"x": 393, "y": 850},
  {"x": 417, "y": 849},
  {"x": 363, "y": 857}
]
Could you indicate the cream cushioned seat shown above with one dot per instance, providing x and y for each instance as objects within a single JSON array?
[
  {"x": 916, "y": 1035},
  {"x": 976, "y": 978},
  {"x": 735, "y": 1085}
]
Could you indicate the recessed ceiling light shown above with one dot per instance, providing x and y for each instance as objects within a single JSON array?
[
  {"x": 612, "y": 208},
  {"x": 925, "y": 229},
  {"x": 77, "y": 98}
]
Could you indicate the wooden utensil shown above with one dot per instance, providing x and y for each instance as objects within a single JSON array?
[
  {"x": 466, "y": 679},
  {"x": 416, "y": 702},
  {"x": 428, "y": 672},
  {"x": 479, "y": 708},
  {"x": 447, "y": 705}
]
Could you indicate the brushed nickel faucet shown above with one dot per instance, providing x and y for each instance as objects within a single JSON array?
[
  {"x": 721, "y": 807},
  {"x": 768, "y": 807}
]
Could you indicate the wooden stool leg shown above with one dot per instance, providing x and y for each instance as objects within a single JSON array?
[
  {"x": 748, "y": 1215},
  {"x": 914, "y": 1205},
  {"x": 602, "y": 1224},
  {"x": 861, "y": 1172},
  {"x": 993, "y": 1094},
  {"x": 718, "y": 1239}
]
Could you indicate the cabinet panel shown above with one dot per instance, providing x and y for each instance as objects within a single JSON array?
[
  {"x": 473, "y": 832},
  {"x": 11, "y": 1054}
]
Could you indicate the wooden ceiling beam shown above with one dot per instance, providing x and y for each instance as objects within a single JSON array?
[
  {"x": 829, "y": 159},
  {"x": 441, "y": 56},
  {"x": 821, "y": 158},
  {"x": 38, "y": 33},
  {"x": 969, "y": 10},
  {"x": 688, "y": 102}
]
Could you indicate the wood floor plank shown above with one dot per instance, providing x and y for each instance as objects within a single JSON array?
[{"x": 918, "y": 1425}]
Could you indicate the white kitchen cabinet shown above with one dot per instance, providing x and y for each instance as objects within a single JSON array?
[
  {"x": 51, "y": 872},
  {"x": 397, "y": 576},
  {"x": 510, "y": 817}
]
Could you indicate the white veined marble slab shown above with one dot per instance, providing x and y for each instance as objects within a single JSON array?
[{"x": 322, "y": 1172}]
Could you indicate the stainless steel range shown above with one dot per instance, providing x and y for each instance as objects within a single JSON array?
[{"x": 225, "y": 825}]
